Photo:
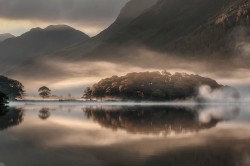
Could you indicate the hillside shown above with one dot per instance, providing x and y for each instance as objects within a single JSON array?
[
  {"x": 37, "y": 43},
  {"x": 194, "y": 28},
  {"x": 129, "y": 12}
]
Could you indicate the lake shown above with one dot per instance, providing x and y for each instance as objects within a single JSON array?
[{"x": 38, "y": 134}]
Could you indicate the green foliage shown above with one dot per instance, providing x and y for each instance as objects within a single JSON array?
[
  {"x": 12, "y": 88},
  {"x": 44, "y": 92},
  {"x": 154, "y": 86}
]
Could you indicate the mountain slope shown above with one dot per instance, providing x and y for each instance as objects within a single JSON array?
[
  {"x": 38, "y": 42},
  {"x": 5, "y": 36},
  {"x": 167, "y": 24},
  {"x": 184, "y": 28},
  {"x": 128, "y": 13}
]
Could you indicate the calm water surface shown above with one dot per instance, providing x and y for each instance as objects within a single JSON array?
[{"x": 53, "y": 134}]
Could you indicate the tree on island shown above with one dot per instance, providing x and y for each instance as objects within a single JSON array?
[
  {"x": 11, "y": 88},
  {"x": 98, "y": 91},
  {"x": 44, "y": 92},
  {"x": 3, "y": 99},
  {"x": 87, "y": 94}
]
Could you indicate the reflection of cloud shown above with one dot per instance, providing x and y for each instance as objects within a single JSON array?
[{"x": 218, "y": 112}]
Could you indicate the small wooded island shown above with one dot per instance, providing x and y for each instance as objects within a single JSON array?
[{"x": 151, "y": 86}]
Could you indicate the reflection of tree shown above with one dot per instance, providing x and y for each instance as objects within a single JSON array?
[
  {"x": 148, "y": 120},
  {"x": 10, "y": 117},
  {"x": 44, "y": 113}
]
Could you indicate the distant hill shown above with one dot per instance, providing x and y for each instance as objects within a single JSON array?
[
  {"x": 37, "y": 43},
  {"x": 5, "y": 36}
]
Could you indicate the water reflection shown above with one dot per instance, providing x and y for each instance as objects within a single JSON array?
[
  {"x": 94, "y": 135},
  {"x": 10, "y": 117},
  {"x": 150, "y": 120},
  {"x": 44, "y": 113}
]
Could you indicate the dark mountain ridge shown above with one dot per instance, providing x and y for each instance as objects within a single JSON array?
[
  {"x": 5, "y": 36},
  {"x": 37, "y": 42},
  {"x": 194, "y": 28}
]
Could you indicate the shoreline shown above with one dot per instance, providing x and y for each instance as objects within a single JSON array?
[{"x": 118, "y": 103}]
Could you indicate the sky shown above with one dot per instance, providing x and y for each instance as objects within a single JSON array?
[{"x": 89, "y": 16}]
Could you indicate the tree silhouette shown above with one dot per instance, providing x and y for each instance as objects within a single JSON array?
[
  {"x": 11, "y": 88},
  {"x": 87, "y": 94},
  {"x": 44, "y": 92},
  {"x": 3, "y": 99}
]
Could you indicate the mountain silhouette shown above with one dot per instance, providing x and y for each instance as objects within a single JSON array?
[
  {"x": 37, "y": 43},
  {"x": 5, "y": 36}
]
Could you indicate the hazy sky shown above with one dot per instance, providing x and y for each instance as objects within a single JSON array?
[{"x": 90, "y": 16}]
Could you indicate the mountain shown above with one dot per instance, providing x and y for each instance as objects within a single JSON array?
[
  {"x": 128, "y": 13},
  {"x": 37, "y": 43},
  {"x": 195, "y": 35},
  {"x": 5, "y": 36},
  {"x": 199, "y": 28}
]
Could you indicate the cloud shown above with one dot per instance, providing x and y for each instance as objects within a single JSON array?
[{"x": 96, "y": 13}]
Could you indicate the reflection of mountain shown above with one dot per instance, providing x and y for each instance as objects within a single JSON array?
[
  {"x": 10, "y": 117},
  {"x": 155, "y": 120}
]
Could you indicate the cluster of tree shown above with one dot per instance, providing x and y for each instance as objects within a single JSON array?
[
  {"x": 12, "y": 88},
  {"x": 153, "y": 86},
  {"x": 44, "y": 92}
]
